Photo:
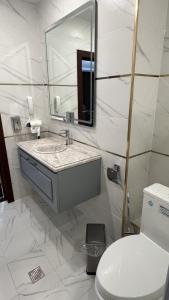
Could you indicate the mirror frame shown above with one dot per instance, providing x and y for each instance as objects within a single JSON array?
[{"x": 88, "y": 4}]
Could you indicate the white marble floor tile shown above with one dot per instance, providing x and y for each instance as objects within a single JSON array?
[
  {"x": 19, "y": 245},
  {"x": 76, "y": 281},
  {"x": 31, "y": 236},
  {"x": 73, "y": 268},
  {"x": 79, "y": 287},
  {"x": 90, "y": 294},
  {"x": 57, "y": 294},
  {"x": 25, "y": 288},
  {"x": 7, "y": 287},
  {"x": 15, "y": 298}
]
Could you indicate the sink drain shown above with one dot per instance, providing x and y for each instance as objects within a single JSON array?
[{"x": 36, "y": 274}]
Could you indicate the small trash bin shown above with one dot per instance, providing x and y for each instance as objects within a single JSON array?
[{"x": 95, "y": 246}]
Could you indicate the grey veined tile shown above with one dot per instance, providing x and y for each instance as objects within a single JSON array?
[
  {"x": 34, "y": 291},
  {"x": 7, "y": 288}
]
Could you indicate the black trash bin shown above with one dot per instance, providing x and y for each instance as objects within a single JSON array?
[{"x": 95, "y": 246}]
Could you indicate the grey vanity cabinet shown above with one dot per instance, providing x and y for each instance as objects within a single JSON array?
[{"x": 66, "y": 188}]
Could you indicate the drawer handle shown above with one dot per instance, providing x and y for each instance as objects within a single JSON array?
[{"x": 32, "y": 163}]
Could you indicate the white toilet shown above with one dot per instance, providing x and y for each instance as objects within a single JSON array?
[{"x": 135, "y": 267}]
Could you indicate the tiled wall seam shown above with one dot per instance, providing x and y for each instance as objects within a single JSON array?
[{"x": 160, "y": 153}]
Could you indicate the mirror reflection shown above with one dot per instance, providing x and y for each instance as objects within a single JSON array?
[{"x": 70, "y": 45}]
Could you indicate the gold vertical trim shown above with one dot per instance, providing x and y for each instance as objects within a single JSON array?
[{"x": 130, "y": 111}]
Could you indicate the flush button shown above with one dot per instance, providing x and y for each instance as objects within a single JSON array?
[{"x": 150, "y": 203}]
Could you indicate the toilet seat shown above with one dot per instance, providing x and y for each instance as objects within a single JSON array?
[{"x": 132, "y": 268}]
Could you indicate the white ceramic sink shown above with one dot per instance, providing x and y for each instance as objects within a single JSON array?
[{"x": 50, "y": 148}]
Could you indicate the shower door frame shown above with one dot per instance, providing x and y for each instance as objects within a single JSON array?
[{"x": 4, "y": 169}]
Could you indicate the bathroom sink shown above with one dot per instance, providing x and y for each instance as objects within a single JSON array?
[{"x": 50, "y": 148}]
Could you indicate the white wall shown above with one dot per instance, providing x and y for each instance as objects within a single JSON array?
[
  {"x": 150, "y": 40},
  {"x": 23, "y": 52},
  {"x": 109, "y": 135},
  {"x": 20, "y": 69}
]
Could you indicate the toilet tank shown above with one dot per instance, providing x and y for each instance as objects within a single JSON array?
[{"x": 155, "y": 214}]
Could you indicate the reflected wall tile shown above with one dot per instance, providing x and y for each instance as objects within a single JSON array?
[
  {"x": 143, "y": 115},
  {"x": 68, "y": 100},
  {"x": 74, "y": 33},
  {"x": 151, "y": 36},
  {"x": 160, "y": 140},
  {"x": 138, "y": 179},
  {"x": 21, "y": 61},
  {"x": 110, "y": 132}
]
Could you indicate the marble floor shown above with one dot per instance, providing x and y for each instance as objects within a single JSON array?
[{"x": 31, "y": 236}]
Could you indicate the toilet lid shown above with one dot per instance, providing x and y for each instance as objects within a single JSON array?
[{"x": 132, "y": 268}]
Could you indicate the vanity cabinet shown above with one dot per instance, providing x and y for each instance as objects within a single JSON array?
[{"x": 66, "y": 188}]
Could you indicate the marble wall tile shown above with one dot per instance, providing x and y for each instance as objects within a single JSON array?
[
  {"x": 159, "y": 168},
  {"x": 165, "y": 56},
  {"x": 20, "y": 187},
  {"x": 110, "y": 131},
  {"x": 13, "y": 102},
  {"x": 115, "y": 31},
  {"x": 51, "y": 11},
  {"x": 150, "y": 109},
  {"x": 138, "y": 179},
  {"x": 161, "y": 129},
  {"x": 143, "y": 115},
  {"x": 115, "y": 37},
  {"x": 21, "y": 60},
  {"x": 151, "y": 36}
]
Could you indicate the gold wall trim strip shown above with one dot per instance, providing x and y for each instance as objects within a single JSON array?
[
  {"x": 160, "y": 153},
  {"x": 113, "y": 76},
  {"x": 147, "y": 75},
  {"x": 130, "y": 111},
  {"x": 23, "y": 84},
  {"x": 139, "y": 154},
  {"x": 164, "y": 75}
]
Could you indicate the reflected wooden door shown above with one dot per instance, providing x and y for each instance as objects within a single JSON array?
[{"x": 6, "y": 192}]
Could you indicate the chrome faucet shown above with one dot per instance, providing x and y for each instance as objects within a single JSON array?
[{"x": 67, "y": 135}]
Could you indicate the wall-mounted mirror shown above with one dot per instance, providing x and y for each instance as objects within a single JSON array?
[{"x": 71, "y": 62}]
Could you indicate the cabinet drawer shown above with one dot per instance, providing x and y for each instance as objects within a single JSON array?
[{"x": 43, "y": 182}]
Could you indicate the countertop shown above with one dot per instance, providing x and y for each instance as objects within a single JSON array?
[{"x": 75, "y": 154}]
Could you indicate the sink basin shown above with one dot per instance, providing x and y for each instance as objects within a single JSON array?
[{"x": 50, "y": 148}]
